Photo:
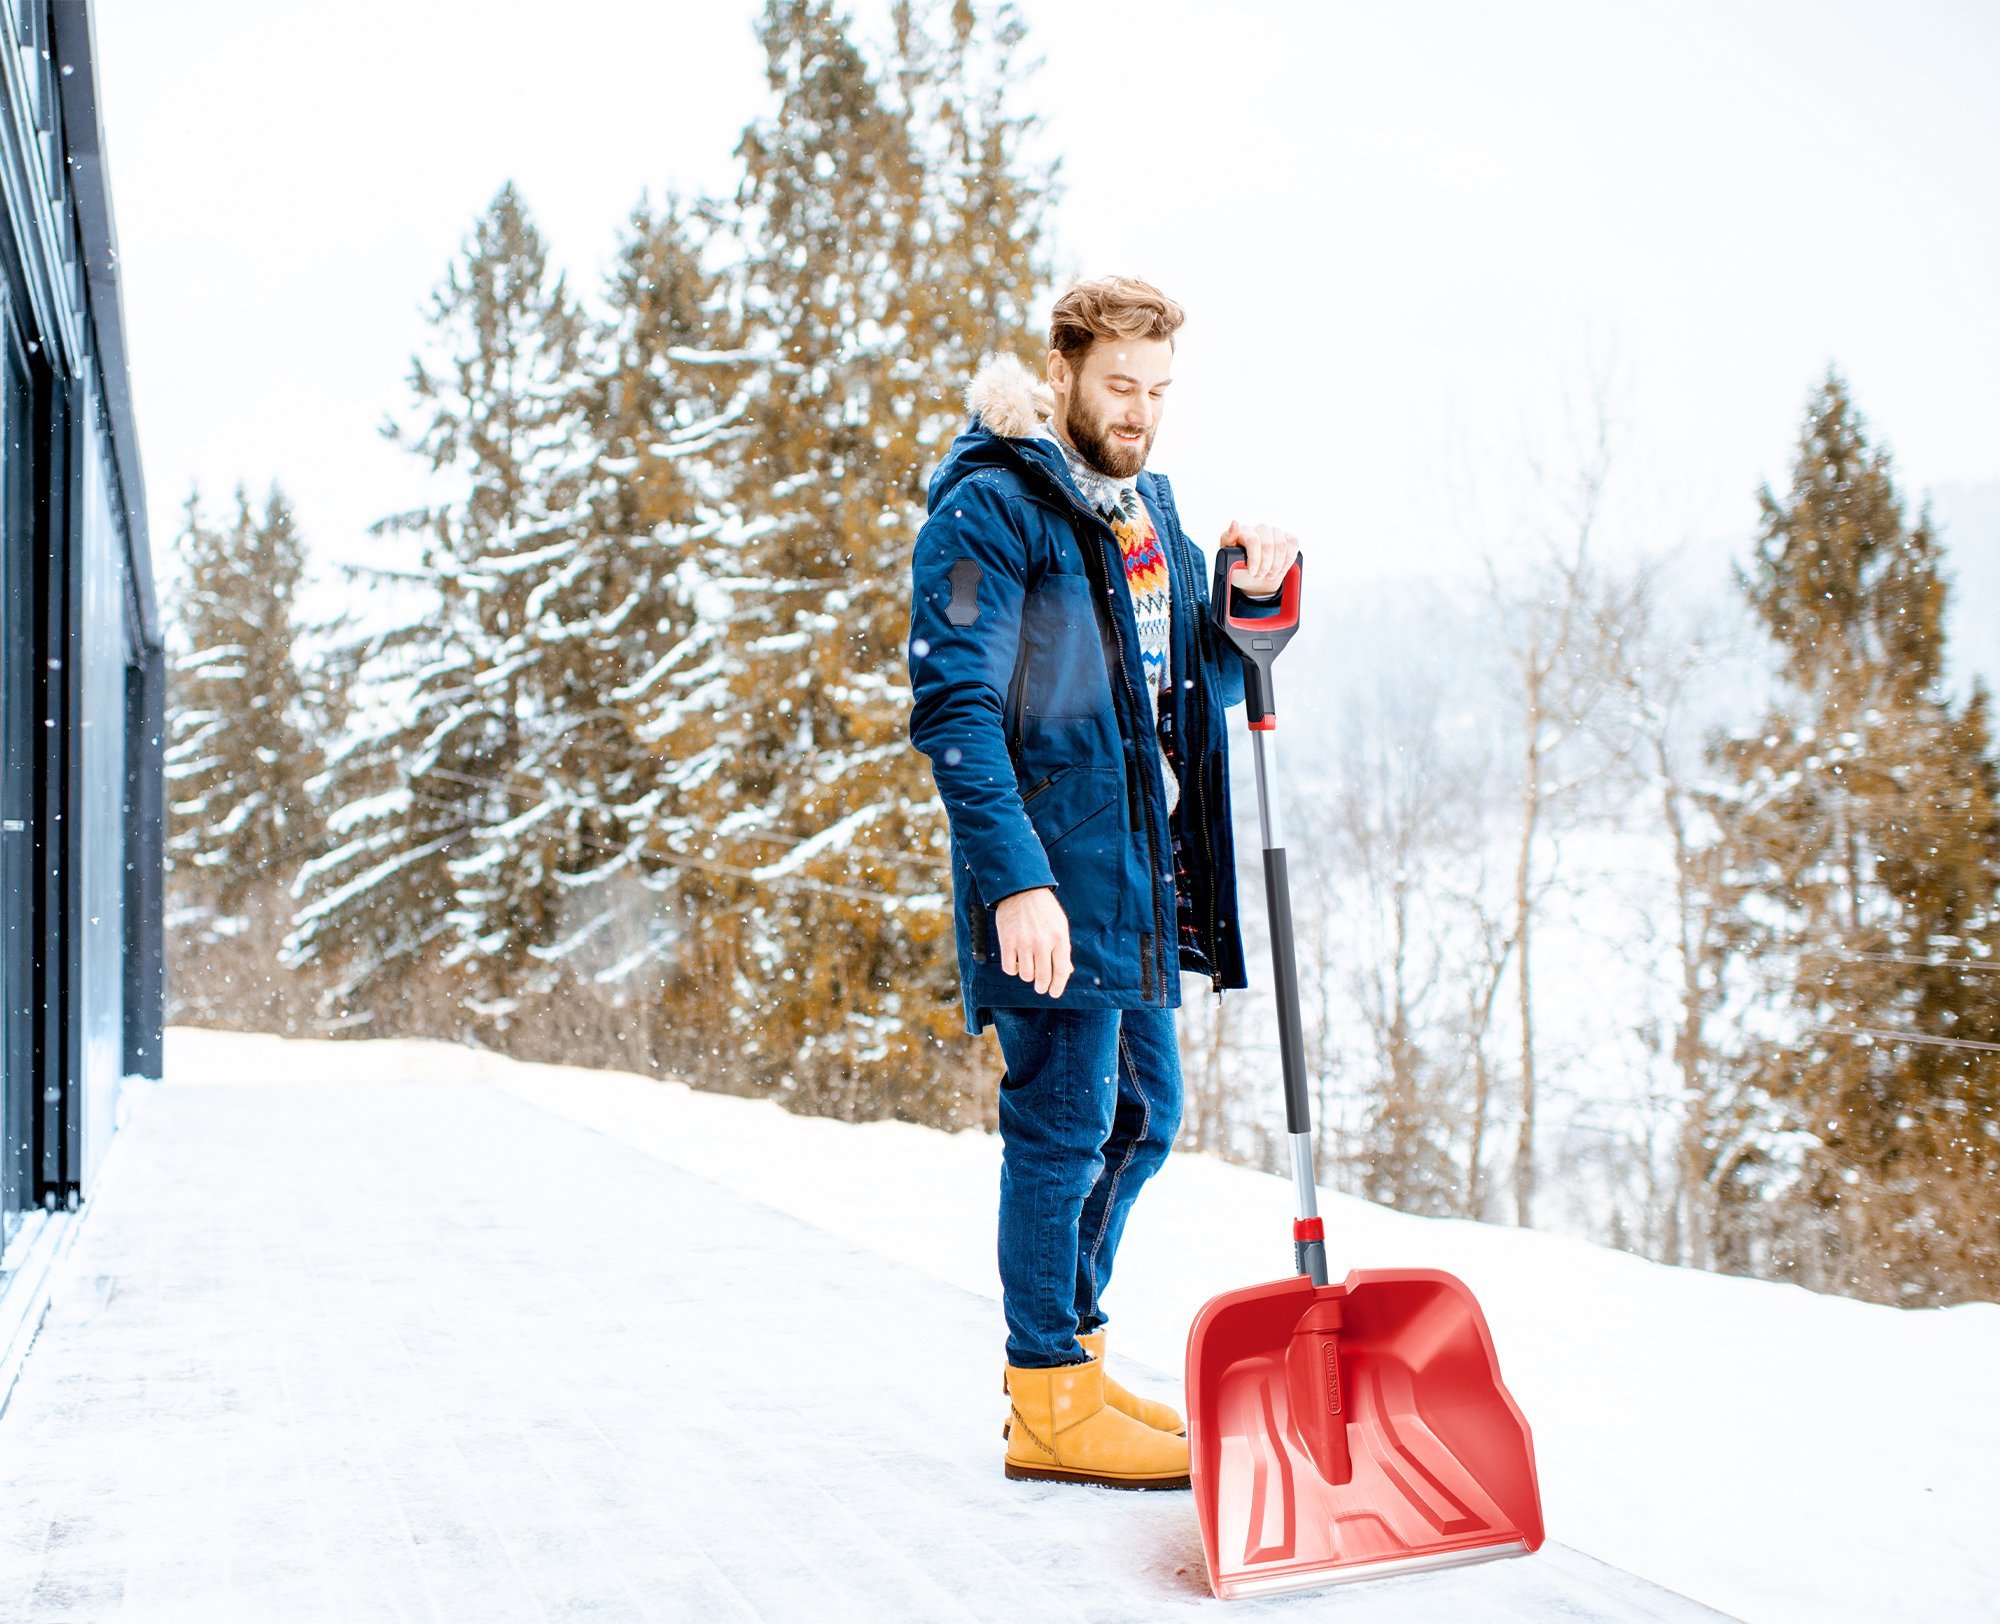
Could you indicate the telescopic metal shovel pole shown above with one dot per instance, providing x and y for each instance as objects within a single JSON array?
[
  {"x": 1339, "y": 1431},
  {"x": 1257, "y": 631}
]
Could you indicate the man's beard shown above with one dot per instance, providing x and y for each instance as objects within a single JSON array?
[{"x": 1112, "y": 458}]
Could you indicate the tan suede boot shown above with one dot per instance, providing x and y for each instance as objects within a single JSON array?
[
  {"x": 1062, "y": 1430},
  {"x": 1160, "y": 1417}
]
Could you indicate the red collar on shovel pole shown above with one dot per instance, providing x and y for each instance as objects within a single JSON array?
[{"x": 1349, "y": 1431}]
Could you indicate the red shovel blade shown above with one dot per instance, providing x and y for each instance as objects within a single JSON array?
[{"x": 1352, "y": 1431}]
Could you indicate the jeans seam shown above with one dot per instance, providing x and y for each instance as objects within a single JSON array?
[
  {"x": 1131, "y": 1150},
  {"x": 1051, "y": 1058}
]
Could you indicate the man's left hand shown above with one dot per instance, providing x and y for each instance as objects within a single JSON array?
[{"x": 1268, "y": 553}]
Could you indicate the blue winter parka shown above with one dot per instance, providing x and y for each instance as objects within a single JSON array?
[{"x": 1030, "y": 701}]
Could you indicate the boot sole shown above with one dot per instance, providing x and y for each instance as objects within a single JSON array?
[{"x": 1102, "y": 1480}]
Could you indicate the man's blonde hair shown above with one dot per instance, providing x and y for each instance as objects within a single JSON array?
[{"x": 1111, "y": 307}]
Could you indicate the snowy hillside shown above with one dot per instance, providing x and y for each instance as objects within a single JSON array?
[{"x": 1750, "y": 1445}]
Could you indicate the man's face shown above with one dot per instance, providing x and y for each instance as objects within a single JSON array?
[{"x": 1108, "y": 405}]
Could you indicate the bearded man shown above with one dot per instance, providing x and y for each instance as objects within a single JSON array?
[{"x": 1069, "y": 691}]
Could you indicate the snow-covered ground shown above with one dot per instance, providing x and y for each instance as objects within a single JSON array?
[
  {"x": 349, "y": 1333},
  {"x": 1776, "y": 1454},
  {"x": 361, "y": 1330}
]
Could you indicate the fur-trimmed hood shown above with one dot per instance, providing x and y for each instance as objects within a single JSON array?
[
  {"x": 1009, "y": 399},
  {"x": 1009, "y": 405}
]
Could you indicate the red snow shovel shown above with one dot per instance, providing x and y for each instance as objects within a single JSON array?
[{"x": 1350, "y": 1431}]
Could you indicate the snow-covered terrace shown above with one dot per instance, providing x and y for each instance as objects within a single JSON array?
[{"x": 393, "y": 1331}]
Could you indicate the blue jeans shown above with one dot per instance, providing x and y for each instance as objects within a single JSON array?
[{"x": 1088, "y": 1111}]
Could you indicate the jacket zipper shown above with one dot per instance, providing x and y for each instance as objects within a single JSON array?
[
  {"x": 1200, "y": 769},
  {"x": 1200, "y": 691},
  {"x": 1214, "y": 943},
  {"x": 1016, "y": 702},
  {"x": 1150, "y": 973}
]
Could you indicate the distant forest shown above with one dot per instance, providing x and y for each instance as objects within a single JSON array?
[{"x": 608, "y": 760}]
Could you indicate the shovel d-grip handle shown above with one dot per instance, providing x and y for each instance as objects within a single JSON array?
[
  {"x": 1256, "y": 628},
  {"x": 1258, "y": 632}
]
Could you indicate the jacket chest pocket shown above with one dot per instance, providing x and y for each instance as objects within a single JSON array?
[{"x": 1063, "y": 671}]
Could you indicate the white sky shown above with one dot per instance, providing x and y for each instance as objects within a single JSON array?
[{"x": 1402, "y": 232}]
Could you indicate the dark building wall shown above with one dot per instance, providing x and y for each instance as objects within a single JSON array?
[{"x": 81, "y": 671}]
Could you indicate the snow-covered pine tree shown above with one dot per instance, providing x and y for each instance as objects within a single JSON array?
[
  {"x": 956, "y": 75},
  {"x": 447, "y": 843},
  {"x": 243, "y": 725},
  {"x": 1860, "y": 845},
  {"x": 630, "y": 626},
  {"x": 240, "y": 718},
  {"x": 892, "y": 235}
]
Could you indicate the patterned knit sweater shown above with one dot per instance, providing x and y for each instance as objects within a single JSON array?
[{"x": 1145, "y": 576}]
